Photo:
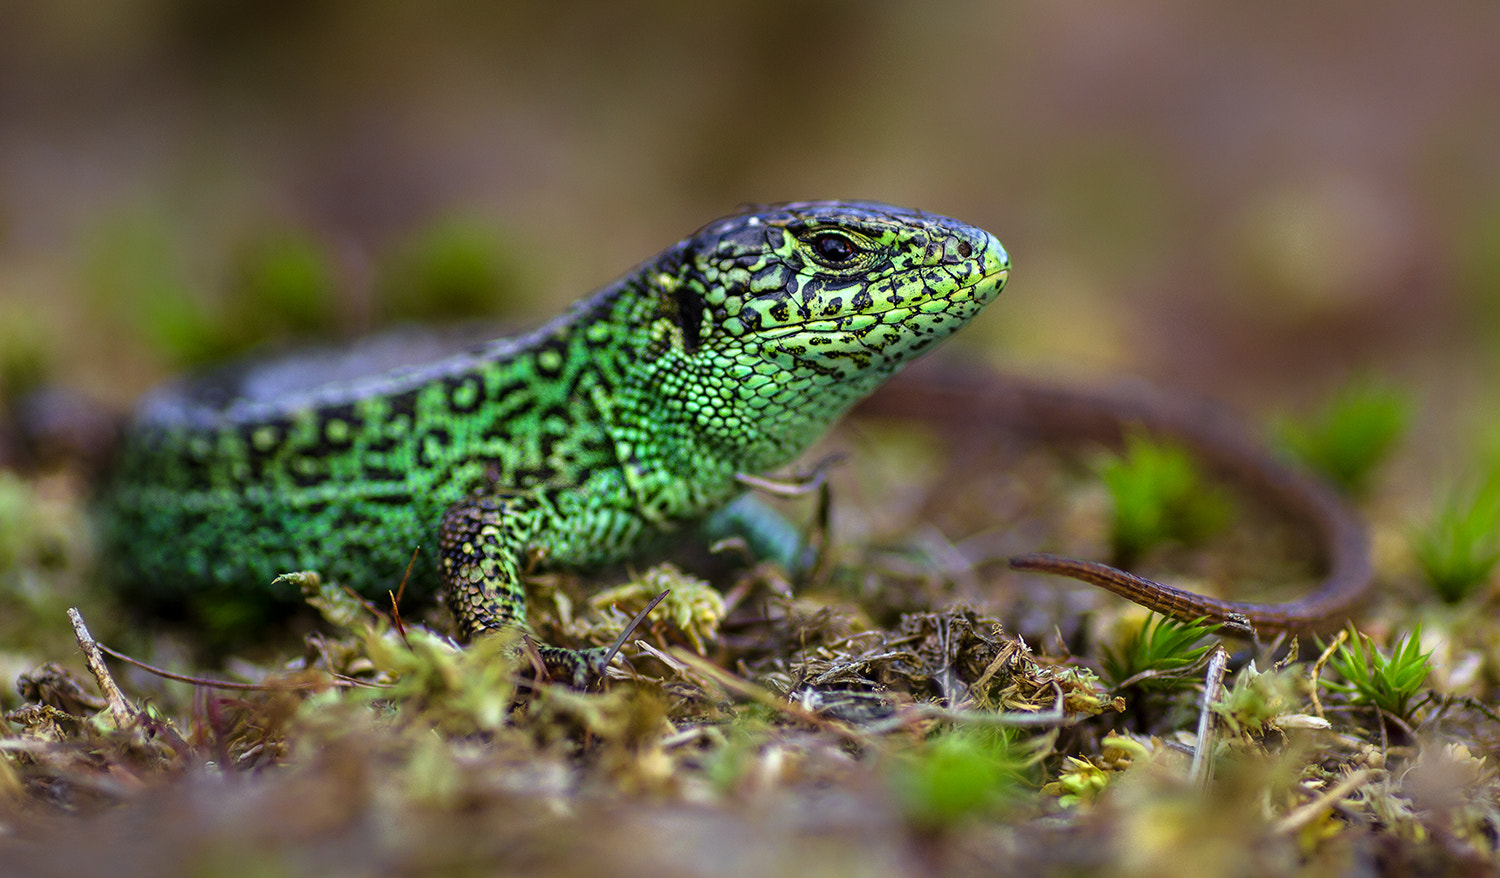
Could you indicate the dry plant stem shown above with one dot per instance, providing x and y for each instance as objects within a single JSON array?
[
  {"x": 1213, "y": 691},
  {"x": 1306, "y": 814},
  {"x": 1475, "y": 704},
  {"x": 360, "y": 599},
  {"x": 818, "y": 538},
  {"x": 750, "y": 691},
  {"x": 629, "y": 630},
  {"x": 1386, "y": 716},
  {"x": 1054, "y": 717},
  {"x": 795, "y": 486},
  {"x": 121, "y": 709},
  {"x": 398, "y": 594},
  {"x": 990, "y": 402},
  {"x": 335, "y": 680},
  {"x": 1159, "y": 674},
  {"x": 1317, "y": 669}
]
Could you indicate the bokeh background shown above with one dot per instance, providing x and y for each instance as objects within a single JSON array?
[
  {"x": 1248, "y": 201},
  {"x": 1255, "y": 202}
]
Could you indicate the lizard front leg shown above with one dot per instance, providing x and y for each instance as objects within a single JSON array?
[{"x": 482, "y": 542}]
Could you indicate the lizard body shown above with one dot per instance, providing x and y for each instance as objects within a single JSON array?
[{"x": 624, "y": 419}]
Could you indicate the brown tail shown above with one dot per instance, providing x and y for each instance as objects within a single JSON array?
[{"x": 1056, "y": 414}]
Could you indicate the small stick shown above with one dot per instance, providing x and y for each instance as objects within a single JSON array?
[
  {"x": 629, "y": 630},
  {"x": 121, "y": 709},
  {"x": 336, "y": 680},
  {"x": 797, "y": 485},
  {"x": 1213, "y": 690},
  {"x": 1312, "y": 810},
  {"x": 396, "y": 597},
  {"x": 1317, "y": 669}
]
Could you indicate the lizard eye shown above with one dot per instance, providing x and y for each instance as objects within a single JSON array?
[{"x": 833, "y": 248}]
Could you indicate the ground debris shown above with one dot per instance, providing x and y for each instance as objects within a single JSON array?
[
  {"x": 54, "y": 686},
  {"x": 954, "y": 659},
  {"x": 852, "y": 725}
]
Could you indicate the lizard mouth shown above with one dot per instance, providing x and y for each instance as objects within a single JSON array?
[
  {"x": 1001, "y": 274},
  {"x": 961, "y": 295}
]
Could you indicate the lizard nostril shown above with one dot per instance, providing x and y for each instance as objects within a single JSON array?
[{"x": 965, "y": 249}]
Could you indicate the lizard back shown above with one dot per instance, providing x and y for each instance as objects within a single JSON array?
[{"x": 255, "y": 470}]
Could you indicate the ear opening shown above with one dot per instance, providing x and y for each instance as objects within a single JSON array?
[{"x": 689, "y": 314}]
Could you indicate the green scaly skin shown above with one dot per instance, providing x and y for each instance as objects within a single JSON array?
[{"x": 625, "y": 419}]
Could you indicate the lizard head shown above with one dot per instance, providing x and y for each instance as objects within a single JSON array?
[
  {"x": 832, "y": 288},
  {"x": 769, "y": 324}
]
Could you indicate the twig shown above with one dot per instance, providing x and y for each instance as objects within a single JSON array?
[
  {"x": 1314, "y": 809},
  {"x": 1386, "y": 716},
  {"x": 1317, "y": 668},
  {"x": 625, "y": 634},
  {"x": 122, "y": 710},
  {"x": 752, "y": 692},
  {"x": 335, "y": 680},
  {"x": 795, "y": 486},
  {"x": 1056, "y": 716},
  {"x": 1160, "y": 674},
  {"x": 1213, "y": 691},
  {"x": 400, "y": 592}
]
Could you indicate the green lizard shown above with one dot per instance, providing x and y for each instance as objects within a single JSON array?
[{"x": 627, "y": 418}]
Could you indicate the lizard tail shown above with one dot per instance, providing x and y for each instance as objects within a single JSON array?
[{"x": 1055, "y": 414}]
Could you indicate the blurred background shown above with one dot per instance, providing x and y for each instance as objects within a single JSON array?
[{"x": 1251, "y": 202}]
